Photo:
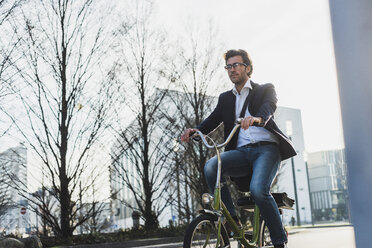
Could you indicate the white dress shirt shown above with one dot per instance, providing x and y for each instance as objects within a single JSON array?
[{"x": 253, "y": 134}]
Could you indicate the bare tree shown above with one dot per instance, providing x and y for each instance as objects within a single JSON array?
[
  {"x": 44, "y": 202},
  {"x": 7, "y": 7},
  {"x": 7, "y": 47},
  {"x": 7, "y": 41},
  {"x": 196, "y": 77},
  {"x": 97, "y": 221},
  {"x": 142, "y": 147},
  {"x": 64, "y": 104}
]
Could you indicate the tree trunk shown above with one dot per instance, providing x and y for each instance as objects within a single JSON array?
[{"x": 64, "y": 183}]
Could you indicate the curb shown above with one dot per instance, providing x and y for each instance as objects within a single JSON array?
[
  {"x": 321, "y": 225},
  {"x": 296, "y": 229}
]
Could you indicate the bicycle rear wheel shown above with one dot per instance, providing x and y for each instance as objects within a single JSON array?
[
  {"x": 202, "y": 232},
  {"x": 264, "y": 239},
  {"x": 264, "y": 236}
]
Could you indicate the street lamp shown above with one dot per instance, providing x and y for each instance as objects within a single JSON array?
[
  {"x": 308, "y": 188},
  {"x": 176, "y": 147},
  {"x": 289, "y": 130}
]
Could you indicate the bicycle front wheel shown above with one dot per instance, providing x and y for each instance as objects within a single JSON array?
[{"x": 203, "y": 231}]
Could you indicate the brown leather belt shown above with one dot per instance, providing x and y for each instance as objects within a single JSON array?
[{"x": 260, "y": 143}]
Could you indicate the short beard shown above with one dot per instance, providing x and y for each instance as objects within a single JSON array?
[{"x": 239, "y": 82}]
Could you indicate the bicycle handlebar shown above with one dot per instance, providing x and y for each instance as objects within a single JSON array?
[{"x": 202, "y": 136}]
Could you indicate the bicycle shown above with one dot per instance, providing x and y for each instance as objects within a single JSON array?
[{"x": 208, "y": 229}]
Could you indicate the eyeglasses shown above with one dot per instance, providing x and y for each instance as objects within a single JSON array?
[{"x": 235, "y": 65}]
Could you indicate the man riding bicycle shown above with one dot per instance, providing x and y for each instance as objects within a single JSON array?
[{"x": 259, "y": 146}]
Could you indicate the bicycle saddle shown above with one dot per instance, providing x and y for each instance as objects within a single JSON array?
[{"x": 281, "y": 199}]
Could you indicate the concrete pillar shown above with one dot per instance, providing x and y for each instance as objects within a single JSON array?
[{"x": 352, "y": 35}]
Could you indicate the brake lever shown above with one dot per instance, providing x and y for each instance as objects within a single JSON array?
[{"x": 195, "y": 136}]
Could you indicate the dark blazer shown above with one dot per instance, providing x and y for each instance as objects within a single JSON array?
[{"x": 262, "y": 104}]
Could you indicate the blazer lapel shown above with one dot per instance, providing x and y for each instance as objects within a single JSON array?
[
  {"x": 232, "y": 100},
  {"x": 252, "y": 107}
]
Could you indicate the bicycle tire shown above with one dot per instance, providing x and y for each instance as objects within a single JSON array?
[
  {"x": 202, "y": 232},
  {"x": 264, "y": 236}
]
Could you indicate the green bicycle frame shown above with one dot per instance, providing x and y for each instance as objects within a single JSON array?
[
  {"x": 219, "y": 206},
  {"x": 239, "y": 233}
]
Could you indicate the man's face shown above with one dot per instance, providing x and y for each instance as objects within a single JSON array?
[{"x": 238, "y": 73}]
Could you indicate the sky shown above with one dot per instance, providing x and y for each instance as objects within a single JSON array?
[{"x": 290, "y": 43}]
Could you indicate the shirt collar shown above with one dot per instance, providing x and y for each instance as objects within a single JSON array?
[{"x": 247, "y": 86}]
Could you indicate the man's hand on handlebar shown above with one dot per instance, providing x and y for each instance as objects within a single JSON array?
[
  {"x": 251, "y": 121},
  {"x": 185, "y": 137}
]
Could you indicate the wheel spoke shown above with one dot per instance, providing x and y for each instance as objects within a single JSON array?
[{"x": 203, "y": 233}]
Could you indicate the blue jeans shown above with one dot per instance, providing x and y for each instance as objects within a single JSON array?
[{"x": 265, "y": 161}]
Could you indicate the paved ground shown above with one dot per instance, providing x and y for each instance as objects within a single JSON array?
[
  {"x": 322, "y": 236},
  {"x": 339, "y": 235},
  {"x": 326, "y": 237}
]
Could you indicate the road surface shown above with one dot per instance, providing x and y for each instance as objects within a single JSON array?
[
  {"x": 325, "y": 237},
  {"x": 319, "y": 237}
]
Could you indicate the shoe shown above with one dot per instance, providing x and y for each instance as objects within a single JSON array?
[{"x": 228, "y": 228}]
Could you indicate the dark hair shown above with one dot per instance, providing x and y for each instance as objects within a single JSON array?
[{"x": 240, "y": 52}]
